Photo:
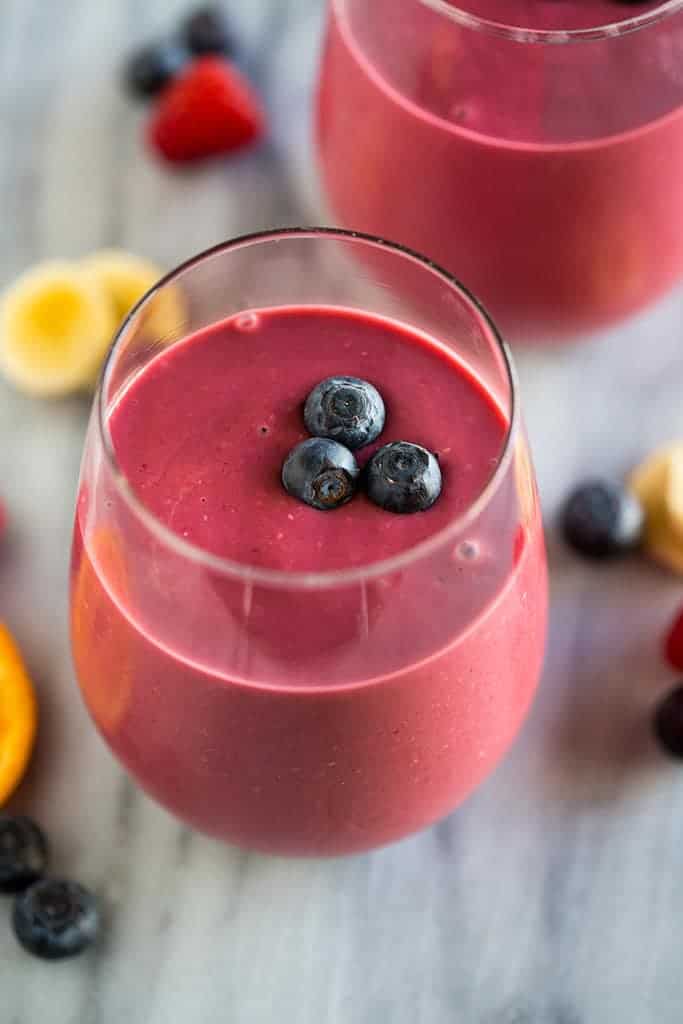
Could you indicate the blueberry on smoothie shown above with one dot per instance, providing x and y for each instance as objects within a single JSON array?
[
  {"x": 346, "y": 409},
  {"x": 403, "y": 477},
  {"x": 320, "y": 472}
]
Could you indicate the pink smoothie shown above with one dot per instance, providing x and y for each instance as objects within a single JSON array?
[
  {"x": 315, "y": 721},
  {"x": 546, "y": 177}
]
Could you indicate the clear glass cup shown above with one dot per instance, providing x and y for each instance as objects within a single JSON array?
[
  {"x": 535, "y": 149},
  {"x": 308, "y": 713}
]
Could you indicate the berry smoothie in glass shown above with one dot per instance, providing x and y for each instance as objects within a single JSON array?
[
  {"x": 534, "y": 147},
  {"x": 293, "y": 679}
]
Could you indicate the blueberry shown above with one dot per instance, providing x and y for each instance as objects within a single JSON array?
[
  {"x": 55, "y": 919},
  {"x": 403, "y": 477},
  {"x": 152, "y": 68},
  {"x": 23, "y": 853},
  {"x": 321, "y": 473},
  {"x": 206, "y": 31},
  {"x": 601, "y": 520},
  {"x": 668, "y": 723},
  {"x": 347, "y": 409}
]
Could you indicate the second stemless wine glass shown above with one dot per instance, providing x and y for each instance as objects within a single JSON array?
[
  {"x": 313, "y": 711},
  {"x": 534, "y": 149}
]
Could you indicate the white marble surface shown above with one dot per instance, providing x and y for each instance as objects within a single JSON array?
[{"x": 554, "y": 895}]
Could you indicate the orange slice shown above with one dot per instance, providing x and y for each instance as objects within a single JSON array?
[{"x": 18, "y": 716}]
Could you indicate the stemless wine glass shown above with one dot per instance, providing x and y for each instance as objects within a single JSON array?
[
  {"x": 536, "y": 149},
  {"x": 315, "y": 712}
]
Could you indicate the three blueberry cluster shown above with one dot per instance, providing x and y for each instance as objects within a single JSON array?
[
  {"x": 52, "y": 918},
  {"x": 344, "y": 414}
]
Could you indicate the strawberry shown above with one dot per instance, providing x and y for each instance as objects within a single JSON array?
[
  {"x": 210, "y": 109},
  {"x": 673, "y": 646}
]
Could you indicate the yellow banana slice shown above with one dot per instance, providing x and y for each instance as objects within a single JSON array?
[
  {"x": 664, "y": 550},
  {"x": 126, "y": 278},
  {"x": 648, "y": 480},
  {"x": 55, "y": 324},
  {"x": 674, "y": 493},
  {"x": 658, "y": 484}
]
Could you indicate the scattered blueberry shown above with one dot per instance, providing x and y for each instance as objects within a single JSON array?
[
  {"x": 320, "y": 472},
  {"x": 206, "y": 31},
  {"x": 601, "y": 520},
  {"x": 347, "y": 409},
  {"x": 403, "y": 477},
  {"x": 23, "y": 853},
  {"x": 55, "y": 919},
  {"x": 668, "y": 723},
  {"x": 152, "y": 68}
]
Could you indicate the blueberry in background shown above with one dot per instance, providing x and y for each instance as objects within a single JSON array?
[
  {"x": 206, "y": 31},
  {"x": 601, "y": 520},
  {"x": 346, "y": 409},
  {"x": 403, "y": 477},
  {"x": 55, "y": 919},
  {"x": 668, "y": 723},
  {"x": 320, "y": 472},
  {"x": 23, "y": 853},
  {"x": 153, "y": 67}
]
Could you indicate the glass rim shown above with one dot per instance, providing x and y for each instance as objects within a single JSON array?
[
  {"x": 555, "y": 37},
  {"x": 279, "y": 577}
]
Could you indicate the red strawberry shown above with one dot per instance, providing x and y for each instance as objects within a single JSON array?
[
  {"x": 673, "y": 647},
  {"x": 210, "y": 109}
]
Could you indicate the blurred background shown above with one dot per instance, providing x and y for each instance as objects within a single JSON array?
[{"x": 553, "y": 895}]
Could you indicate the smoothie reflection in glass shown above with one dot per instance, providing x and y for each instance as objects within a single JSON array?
[
  {"x": 533, "y": 147},
  {"x": 293, "y": 680}
]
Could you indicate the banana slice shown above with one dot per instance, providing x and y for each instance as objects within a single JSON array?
[
  {"x": 664, "y": 550},
  {"x": 55, "y": 324},
  {"x": 126, "y": 278},
  {"x": 658, "y": 483},
  {"x": 648, "y": 480},
  {"x": 674, "y": 493}
]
